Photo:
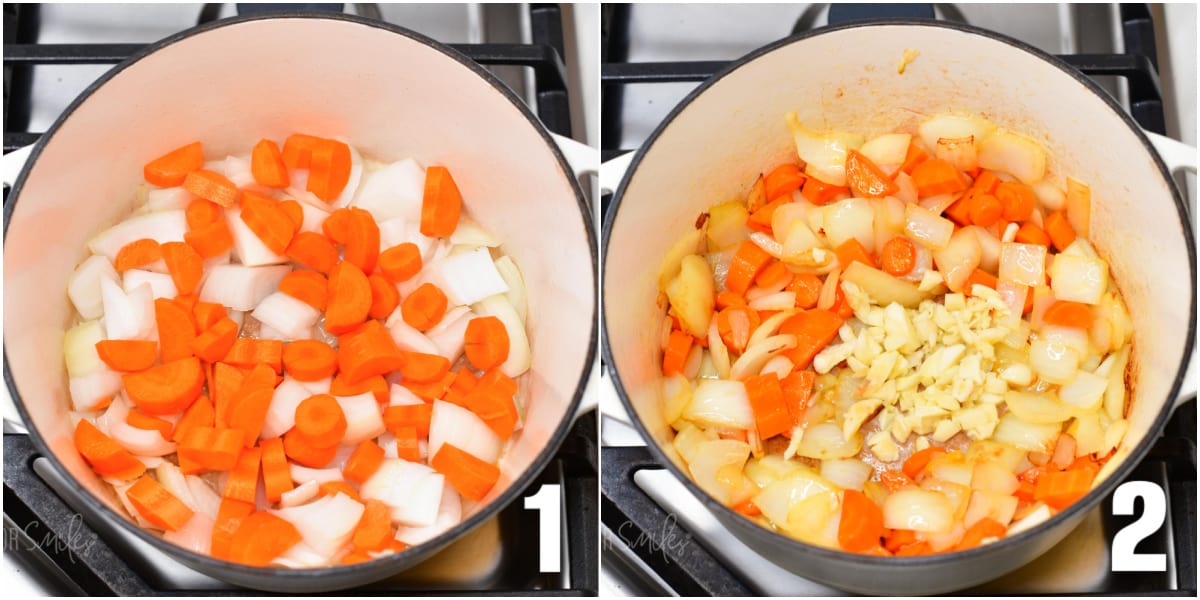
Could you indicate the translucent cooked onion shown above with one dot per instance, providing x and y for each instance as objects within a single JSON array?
[
  {"x": 726, "y": 225},
  {"x": 776, "y": 301},
  {"x": 918, "y": 510},
  {"x": 1018, "y": 432},
  {"x": 770, "y": 326},
  {"x": 926, "y": 227},
  {"x": 777, "y": 499},
  {"x": 1023, "y": 264},
  {"x": 993, "y": 477},
  {"x": 716, "y": 466},
  {"x": 908, "y": 190},
  {"x": 691, "y": 294},
  {"x": 814, "y": 519},
  {"x": 852, "y": 218},
  {"x": 720, "y": 403},
  {"x": 1014, "y": 154},
  {"x": 939, "y": 203},
  {"x": 959, "y": 258},
  {"x": 1084, "y": 392},
  {"x": 1078, "y": 278},
  {"x": 846, "y": 473},
  {"x": 959, "y": 152},
  {"x": 990, "y": 505},
  {"x": 1036, "y": 517},
  {"x": 779, "y": 366},
  {"x": 325, "y": 524},
  {"x": 687, "y": 441},
  {"x": 195, "y": 535},
  {"x": 1079, "y": 207},
  {"x": 825, "y": 441},
  {"x": 756, "y": 355},
  {"x": 887, "y": 149},
  {"x": 79, "y": 349},
  {"x": 1050, "y": 195},
  {"x": 162, "y": 227},
  {"x": 824, "y": 154},
  {"x": 953, "y": 127},
  {"x": 719, "y": 353},
  {"x": 207, "y": 500},
  {"x": 883, "y": 288},
  {"x": 1041, "y": 408}
]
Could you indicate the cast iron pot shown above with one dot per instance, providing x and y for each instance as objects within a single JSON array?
[{"x": 716, "y": 141}]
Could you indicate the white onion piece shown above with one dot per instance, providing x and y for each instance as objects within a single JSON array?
[
  {"x": 776, "y": 301},
  {"x": 291, "y": 317},
  {"x": 1050, "y": 195},
  {"x": 887, "y": 149},
  {"x": 467, "y": 277},
  {"x": 695, "y": 360},
  {"x": 923, "y": 264},
  {"x": 162, "y": 227},
  {"x": 851, "y": 218},
  {"x": 777, "y": 499},
  {"x": 990, "y": 505},
  {"x": 161, "y": 284},
  {"x": 402, "y": 396},
  {"x": 173, "y": 198},
  {"x": 1078, "y": 278},
  {"x": 314, "y": 216},
  {"x": 301, "y": 555},
  {"x": 1088, "y": 433},
  {"x": 769, "y": 327},
  {"x": 992, "y": 477},
  {"x": 1017, "y": 432},
  {"x": 394, "y": 232},
  {"x": 356, "y": 173},
  {"x": 413, "y": 491},
  {"x": 326, "y": 524},
  {"x": 449, "y": 515},
  {"x": 889, "y": 219},
  {"x": 448, "y": 334},
  {"x": 1053, "y": 361},
  {"x": 302, "y": 474},
  {"x": 1023, "y": 264},
  {"x": 824, "y": 154},
  {"x": 170, "y": 477},
  {"x": 953, "y": 126},
  {"x": 408, "y": 338},
  {"x": 321, "y": 386},
  {"x": 989, "y": 247},
  {"x": 826, "y": 441},
  {"x": 83, "y": 288},
  {"x": 828, "y": 295},
  {"x": 918, "y": 510},
  {"x": 237, "y": 170},
  {"x": 128, "y": 316},
  {"x": 300, "y": 494},
  {"x": 516, "y": 284},
  {"x": 779, "y": 366},
  {"x": 1079, "y": 207},
  {"x": 882, "y": 288},
  {"x": 756, "y": 355},
  {"x": 712, "y": 464},
  {"x": 908, "y": 190},
  {"x": 195, "y": 535},
  {"x": 720, "y": 403},
  {"x": 846, "y": 473},
  {"x": 959, "y": 258},
  {"x": 142, "y": 442},
  {"x": 470, "y": 233},
  {"x": 1084, "y": 392},
  {"x": 959, "y": 152},
  {"x": 939, "y": 203},
  {"x": 89, "y": 390},
  {"x": 1064, "y": 452},
  {"x": 461, "y": 428},
  {"x": 1015, "y": 154},
  {"x": 519, "y": 358},
  {"x": 718, "y": 352},
  {"x": 281, "y": 414},
  {"x": 1069, "y": 336},
  {"x": 248, "y": 248},
  {"x": 239, "y": 287},
  {"x": 786, "y": 215},
  {"x": 364, "y": 420},
  {"x": 396, "y": 190},
  {"x": 79, "y": 349},
  {"x": 1037, "y": 407},
  {"x": 1036, "y": 517},
  {"x": 207, "y": 500},
  {"x": 926, "y": 227}
]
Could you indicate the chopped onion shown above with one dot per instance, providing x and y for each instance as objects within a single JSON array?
[
  {"x": 769, "y": 327},
  {"x": 887, "y": 149},
  {"x": 313, "y": 218},
  {"x": 756, "y": 355},
  {"x": 300, "y": 494},
  {"x": 993, "y": 477},
  {"x": 461, "y": 428},
  {"x": 467, "y": 277},
  {"x": 1018, "y": 432},
  {"x": 959, "y": 258},
  {"x": 1114, "y": 393},
  {"x": 1088, "y": 433},
  {"x": 470, "y": 233},
  {"x": 413, "y": 491},
  {"x": 302, "y": 475},
  {"x": 776, "y": 301},
  {"x": 408, "y": 338},
  {"x": 83, "y": 288},
  {"x": 248, "y": 248},
  {"x": 1084, "y": 392},
  {"x": 1014, "y": 154},
  {"x": 1078, "y": 278},
  {"x": 195, "y": 535},
  {"x": 128, "y": 316},
  {"x": 1079, "y": 207},
  {"x": 364, "y": 420},
  {"x": 394, "y": 232},
  {"x": 207, "y": 500},
  {"x": 171, "y": 478},
  {"x": 519, "y": 358},
  {"x": 142, "y": 442},
  {"x": 448, "y": 334},
  {"x": 237, "y": 169},
  {"x": 239, "y": 287},
  {"x": 851, "y": 218},
  {"x": 1053, "y": 361},
  {"x": 1064, "y": 452},
  {"x": 79, "y": 349},
  {"x": 326, "y": 524},
  {"x": 908, "y": 190},
  {"x": 688, "y": 244},
  {"x": 726, "y": 225},
  {"x": 396, "y": 190},
  {"x": 990, "y": 505},
  {"x": 356, "y": 173},
  {"x": 688, "y": 440},
  {"x": 161, "y": 284},
  {"x": 1037, "y": 407},
  {"x": 1023, "y": 264},
  {"x": 1036, "y": 517},
  {"x": 777, "y": 499},
  {"x": 959, "y": 152},
  {"x": 1050, "y": 195},
  {"x": 989, "y": 246},
  {"x": 952, "y": 127},
  {"x": 516, "y": 285},
  {"x": 846, "y": 473},
  {"x": 717, "y": 465},
  {"x": 1072, "y": 337},
  {"x": 402, "y": 396},
  {"x": 1113, "y": 434},
  {"x": 926, "y": 227},
  {"x": 162, "y": 227},
  {"x": 815, "y": 519},
  {"x": 939, "y": 203},
  {"x": 695, "y": 360},
  {"x": 780, "y": 366},
  {"x": 824, "y": 154},
  {"x": 953, "y": 469},
  {"x": 882, "y": 288},
  {"x": 718, "y": 352},
  {"x": 173, "y": 198},
  {"x": 781, "y": 220},
  {"x": 918, "y": 510},
  {"x": 281, "y": 414},
  {"x": 291, "y": 317},
  {"x": 720, "y": 403},
  {"x": 828, "y": 295},
  {"x": 449, "y": 515},
  {"x": 301, "y": 555},
  {"x": 90, "y": 390},
  {"x": 826, "y": 441}
]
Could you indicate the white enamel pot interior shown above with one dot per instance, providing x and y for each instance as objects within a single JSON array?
[
  {"x": 720, "y": 137},
  {"x": 393, "y": 94}
]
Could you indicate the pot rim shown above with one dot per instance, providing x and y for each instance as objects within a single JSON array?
[
  {"x": 402, "y": 560},
  {"x": 1106, "y": 487}
]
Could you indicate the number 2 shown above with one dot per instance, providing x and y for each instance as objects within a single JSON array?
[
  {"x": 548, "y": 504},
  {"x": 1154, "y": 513}
]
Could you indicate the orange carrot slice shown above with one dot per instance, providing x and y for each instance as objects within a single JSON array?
[{"x": 170, "y": 169}]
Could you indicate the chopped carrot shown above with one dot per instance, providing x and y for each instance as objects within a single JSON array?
[
  {"x": 337, "y": 226},
  {"x": 407, "y": 443},
  {"x": 917, "y": 461},
  {"x": 297, "y": 150},
  {"x": 442, "y": 203},
  {"x": 249, "y": 353},
  {"x": 917, "y": 549},
  {"x": 261, "y": 538},
  {"x": 760, "y": 220},
  {"x": 276, "y": 474},
  {"x": 140, "y": 420},
  {"x": 784, "y": 179},
  {"x": 766, "y": 401},
  {"x": 268, "y": 221},
  {"x": 313, "y": 250},
  {"x": 485, "y": 342},
  {"x": 369, "y": 351},
  {"x": 775, "y": 274},
  {"x": 400, "y": 263},
  {"x": 745, "y": 265},
  {"x": 207, "y": 314},
  {"x": 267, "y": 166},
  {"x": 333, "y": 488},
  {"x": 986, "y": 183},
  {"x": 985, "y": 210},
  {"x": 364, "y": 461},
  {"x": 167, "y": 388},
  {"x": 748, "y": 508},
  {"x": 362, "y": 240},
  {"x": 374, "y": 529},
  {"x": 814, "y": 329},
  {"x": 127, "y": 355},
  {"x": 170, "y": 169},
  {"x": 429, "y": 391},
  {"x": 320, "y": 421},
  {"x": 229, "y": 517},
  {"x": 423, "y": 368},
  {"x": 894, "y": 480},
  {"x": 494, "y": 404},
  {"x": 137, "y": 254},
  {"x": 936, "y": 176},
  {"x": 212, "y": 186},
  {"x": 820, "y": 193},
  {"x": 676, "y": 352},
  {"x": 355, "y": 557},
  {"x": 1032, "y": 234},
  {"x": 726, "y": 298},
  {"x": 384, "y": 297},
  {"x": 797, "y": 389},
  {"x": 348, "y": 298},
  {"x": 913, "y": 157},
  {"x": 982, "y": 529},
  {"x": 158, "y": 506},
  {"x": 865, "y": 177},
  {"x": 1025, "y": 492},
  {"x": 295, "y": 214},
  {"x": 214, "y": 343},
  {"x": 472, "y": 477},
  {"x": 201, "y": 212},
  {"x": 242, "y": 483},
  {"x": 1069, "y": 314},
  {"x": 211, "y": 240},
  {"x": 1059, "y": 229},
  {"x": 309, "y": 287},
  {"x": 377, "y": 385},
  {"x": 409, "y": 415},
  {"x": 841, "y": 307},
  {"x": 187, "y": 302},
  {"x": 185, "y": 265},
  {"x": 106, "y": 456},
  {"x": 464, "y": 381},
  {"x": 1018, "y": 200},
  {"x": 899, "y": 538},
  {"x": 209, "y": 448},
  {"x": 980, "y": 277},
  {"x": 309, "y": 360},
  {"x": 898, "y": 257},
  {"x": 248, "y": 412},
  {"x": 296, "y": 446},
  {"x": 329, "y": 169},
  {"x": 852, "y": 250},
  {"x": 199, "y": 414},
  {"x": 861, "y": 525},
  {"x": 734, "y": 325},
  {"x": 176, "y": 330},
  {"x": 424, "y": 308},
  {"x": 807, "y": 288},
  {"x": 494, "y": 378}
]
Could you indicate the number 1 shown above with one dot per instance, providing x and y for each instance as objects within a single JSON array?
[
  {"x": 1154, "y": 513},
  {"x": 548, "y": 504}
]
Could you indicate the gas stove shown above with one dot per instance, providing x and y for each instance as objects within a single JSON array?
[
  {"x": 658, "y": 539},
  {"x": 53, "y": 52}
]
